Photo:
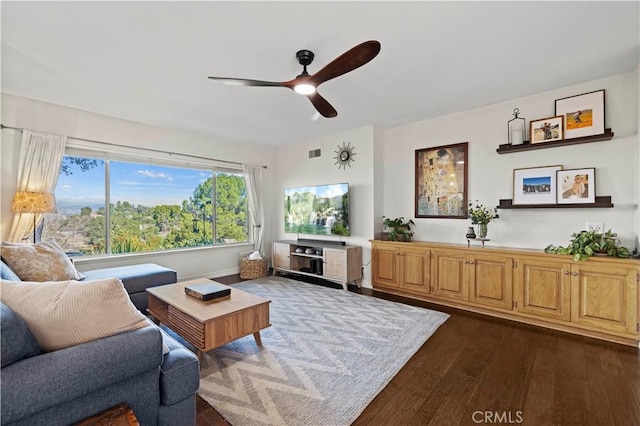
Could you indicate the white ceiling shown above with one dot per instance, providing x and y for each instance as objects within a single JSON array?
[{"x": 149, "y": 61}]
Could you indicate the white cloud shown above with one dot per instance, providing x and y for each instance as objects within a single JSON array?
[{"x": 154, "y": 175}]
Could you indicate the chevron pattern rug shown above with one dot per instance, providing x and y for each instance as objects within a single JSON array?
[{"x": 327, "y": 354}]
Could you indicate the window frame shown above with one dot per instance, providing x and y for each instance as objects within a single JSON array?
[{"x": 140, "y": 157}]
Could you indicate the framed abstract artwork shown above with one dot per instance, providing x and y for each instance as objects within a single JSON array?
[{"x": 441, "y": 181}]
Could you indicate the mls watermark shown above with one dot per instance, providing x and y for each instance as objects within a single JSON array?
[{"x": 497, "y": 417}]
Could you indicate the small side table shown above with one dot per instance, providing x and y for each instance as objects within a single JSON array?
[
  {"x": 482, "y": 240},
  {"x": 120, "y": 415}
]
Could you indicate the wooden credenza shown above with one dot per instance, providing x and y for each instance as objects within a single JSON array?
[
  {"x": 598, "y": 297},
  {"x": 340, "y": 264}
]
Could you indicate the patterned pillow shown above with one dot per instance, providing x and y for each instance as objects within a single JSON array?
[
  {"x": 67, "y": 313},
  {"x": 43, "y": 261}
]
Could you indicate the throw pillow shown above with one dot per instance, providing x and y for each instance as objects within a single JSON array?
[
  {"x": 67, "y": 313},
  {"x": 6, "y": 273},
  {"x": 17, "y": 342},
  {"x": 43, "y": 261}
]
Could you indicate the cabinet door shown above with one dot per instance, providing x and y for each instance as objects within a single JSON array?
[
  {"x": 281, "y": 256},
  {"x": 543, "y": 288},
  {"x": 415, "y": 270},
  {"x": 604, "y": 297},
  {"x": 335, "y": 264},
  {"x": 449, "y": 274},
  {"x": 385, "y": 266},
  {"x": 491, "y": 280}
]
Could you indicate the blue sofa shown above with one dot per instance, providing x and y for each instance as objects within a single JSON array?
[
  {"x": 66, "y": 386},
  {"x": 136, "y": 279}
]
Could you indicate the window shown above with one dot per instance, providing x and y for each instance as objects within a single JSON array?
[{"x": 151, "y": 207}]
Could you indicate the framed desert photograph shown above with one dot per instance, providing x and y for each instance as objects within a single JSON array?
[
  {"x": 535, "y": 185},
  {"x": 583, "y": 114},
  {"x": 546, "y": 129},
  {"x": 441, "y": 181},
  {"x": 577, "y": 186}
]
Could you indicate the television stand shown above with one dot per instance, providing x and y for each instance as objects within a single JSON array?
[{"x": 333, "y": 262}]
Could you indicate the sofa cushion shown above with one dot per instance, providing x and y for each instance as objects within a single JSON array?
[
  {"x": 66, "y": 313},
  {"x": 43, "y": 261},
  {"x": 6, "y": 273},
  {"x": 179, "y": 373},
  {"x": 136, "y": 278},
  {"x": 17, "y": 341}
]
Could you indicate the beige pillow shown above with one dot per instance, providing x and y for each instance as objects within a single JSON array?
[
  {"x": 43, "y": 261},
  {"x": 66, "y": 313}
]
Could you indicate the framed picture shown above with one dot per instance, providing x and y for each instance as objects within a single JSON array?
[
  {"x": 577, "y": 186},
  {"x": 441, "y": 181},
  {"x": 546, "y": 129},
  {"x": 583, "y": 114},
  {"x": 535, "y": 185}
]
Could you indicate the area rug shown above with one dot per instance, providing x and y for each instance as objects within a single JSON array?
[{"x": 327, "y": 354}]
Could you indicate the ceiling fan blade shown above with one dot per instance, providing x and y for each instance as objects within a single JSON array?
[
  {"x": 322, "y": 105},
  {"x": 348, "y": 61},
  {"x": 247, "y": 82}
]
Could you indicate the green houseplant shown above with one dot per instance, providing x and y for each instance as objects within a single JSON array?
[
  {"x": 481, "y": 216},
  {"x": 399, "y": 229},
  {"x": 585, "y": 244}
]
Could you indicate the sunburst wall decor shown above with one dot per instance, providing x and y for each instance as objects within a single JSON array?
[{"x": 344, "y": 155}]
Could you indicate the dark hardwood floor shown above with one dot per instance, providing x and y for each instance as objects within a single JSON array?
[{"x": 481, "y": 370}]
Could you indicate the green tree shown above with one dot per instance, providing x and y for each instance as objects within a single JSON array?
[
  {"x": 201, "y": 208},
  {"x": 166, "y": 217},
  {"x": 84, "y": 164},
  {"x": 231, "y": 208}
]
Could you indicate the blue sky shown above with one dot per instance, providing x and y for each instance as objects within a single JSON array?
[
  {"x": 322, "y": 191},
  {"x": 144, "y": 184},
  {"x": 544, "y": 180}
]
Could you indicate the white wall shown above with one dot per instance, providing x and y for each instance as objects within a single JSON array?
[
  {"x": 490, "y": 174},
  {"x": 45, "y": 117},
  {"x": 295, "y": 168}
]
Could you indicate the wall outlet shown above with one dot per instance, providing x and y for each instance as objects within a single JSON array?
[{"x": 598, "y": 227}]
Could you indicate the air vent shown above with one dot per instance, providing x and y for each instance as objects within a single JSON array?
[{"x": 315, "y": 153}]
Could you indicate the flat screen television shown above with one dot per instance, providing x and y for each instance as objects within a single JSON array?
[{"x": 317, "y": 210}]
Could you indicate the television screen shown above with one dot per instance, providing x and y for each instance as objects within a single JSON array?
[{"x": 317, "y": 210}]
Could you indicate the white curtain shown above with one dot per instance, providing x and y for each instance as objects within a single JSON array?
[
  {"x": 255, "y": 193},
  {"x": 38, "y": 169}
]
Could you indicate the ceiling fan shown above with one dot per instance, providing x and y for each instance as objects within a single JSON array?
[{"x": 306, "y": 84}]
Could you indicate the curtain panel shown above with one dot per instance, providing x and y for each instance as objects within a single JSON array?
[
  {"x": 38, "y": 170},
  {"x": 255, "y": 196}
]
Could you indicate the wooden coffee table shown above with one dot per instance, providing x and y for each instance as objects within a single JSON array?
[{"x": 207, "y": 325}]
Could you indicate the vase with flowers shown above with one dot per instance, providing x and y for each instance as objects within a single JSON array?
[{"x": 481, "y": 216}]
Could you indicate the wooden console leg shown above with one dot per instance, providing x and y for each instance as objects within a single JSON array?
[{"x": 256, "y": 336}]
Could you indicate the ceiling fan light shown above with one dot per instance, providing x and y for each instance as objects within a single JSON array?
[{"x": 304, "y": 88}]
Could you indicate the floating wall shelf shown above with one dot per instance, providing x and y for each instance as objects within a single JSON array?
[
  {"x": 508, "y": 149},
  {"x": 601, "y": 202}
]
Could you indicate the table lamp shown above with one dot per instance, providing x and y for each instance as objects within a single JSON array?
[{"x": 34, "y": 203}]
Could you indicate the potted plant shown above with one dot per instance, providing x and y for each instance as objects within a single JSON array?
[
  {"x": 481, "y": 216},
  {"x": 398, "y": 229},
  {"x": 585, "y": 244}
]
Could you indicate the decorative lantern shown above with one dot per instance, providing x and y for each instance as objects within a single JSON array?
[{"x": 517, "y": 131}]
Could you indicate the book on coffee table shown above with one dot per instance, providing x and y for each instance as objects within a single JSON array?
[{"x": 207, "y": 291}]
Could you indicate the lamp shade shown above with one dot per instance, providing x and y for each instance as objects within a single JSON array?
[{"x": 33, "y": 202}]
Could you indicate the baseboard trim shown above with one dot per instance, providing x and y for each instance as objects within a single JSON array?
[{"x": 212, "y": 274}]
